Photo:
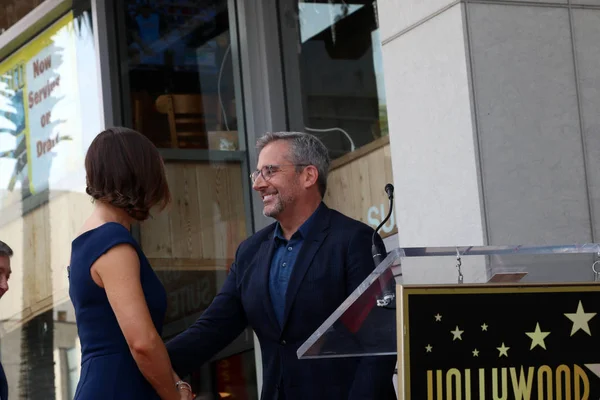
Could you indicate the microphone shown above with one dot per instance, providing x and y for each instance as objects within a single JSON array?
[
  {"x": 387, "y": 297},
  {"x": 384, "y": 293},
  {"x": 375, "y": 251}
]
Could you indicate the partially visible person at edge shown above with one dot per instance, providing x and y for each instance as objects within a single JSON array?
[
  {"x": 119, "y": 301},
  {"x": 5, "y": 254},
  {"x": 288, "y": 278}
]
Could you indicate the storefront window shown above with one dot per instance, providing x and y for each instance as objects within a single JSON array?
[
  {"x": 180, "y": 73},
  {"x": 334, "y": 73},
  {"x": 14, "y": 10},
  {"x": 334, "y": 88},
  {"x": 180, "y": 92},
  {"x": 49, "y": 113}
]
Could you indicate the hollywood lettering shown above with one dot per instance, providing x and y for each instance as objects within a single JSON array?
[
  {"x": 543, "y": 382},
  {"x": 519, "y": 343}
]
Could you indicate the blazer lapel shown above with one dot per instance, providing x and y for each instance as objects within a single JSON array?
[
  {"x": 311, "y": 245},
  {"x": 263, "y": 259}
]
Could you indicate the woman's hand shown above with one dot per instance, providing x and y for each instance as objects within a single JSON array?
[
  {"x": 185, "y": 394},
  {"x": 184, "y": 388}
]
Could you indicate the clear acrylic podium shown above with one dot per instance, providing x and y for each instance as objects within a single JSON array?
[{"x": 496, "y": 308}]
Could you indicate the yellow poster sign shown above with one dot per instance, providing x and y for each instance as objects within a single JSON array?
[{"x": 39, "y": 109}]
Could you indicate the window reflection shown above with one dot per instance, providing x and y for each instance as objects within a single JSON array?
[
  {"x": 334, "y": 72},
  {"x": 182, "y": 96},
  {"x": 41, "y": 356},
  {"x": 180, "y": 73},
  {"x": 49, "y": 113}
]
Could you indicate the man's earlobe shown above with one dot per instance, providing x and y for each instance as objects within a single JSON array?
[{"x": 312, "y": 175}]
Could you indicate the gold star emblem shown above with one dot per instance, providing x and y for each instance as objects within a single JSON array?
[
  {"x": 503, "y": 350},
  {"x": 484, "y": 327},
  {"x": 457, "y": 334},
  {"x": 580, "y": 320},
  {"x": 429, "y": 348},
  {"x": 438, "y": 317},
  {"x": 475, "y": 353},
  {"x": 537, "y": 337}
]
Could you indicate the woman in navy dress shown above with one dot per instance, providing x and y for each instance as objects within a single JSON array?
[{"x": 118, "y": 299}]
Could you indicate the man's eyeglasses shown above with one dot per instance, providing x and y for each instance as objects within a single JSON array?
[{"x": 268, "y": 170}]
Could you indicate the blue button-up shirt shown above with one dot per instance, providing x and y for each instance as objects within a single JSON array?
[{"x": 284, "y": 257}]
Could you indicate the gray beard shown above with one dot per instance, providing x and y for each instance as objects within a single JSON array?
[{"x": 278, "y": 208}]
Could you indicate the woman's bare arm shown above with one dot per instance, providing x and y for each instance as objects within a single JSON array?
[{"x": 118, "y": 272}]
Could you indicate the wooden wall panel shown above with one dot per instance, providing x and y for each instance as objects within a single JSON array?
[
  {"x": 185, "y": 216},
  {"x": 356, "y": 185},
  {"x": 205, "y": 222},
  {"x": 41, "y": 241}
]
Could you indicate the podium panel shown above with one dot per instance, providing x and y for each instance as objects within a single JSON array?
[
  {"x": 512, "y": 322},
  {"x": 509, "y": 342}
]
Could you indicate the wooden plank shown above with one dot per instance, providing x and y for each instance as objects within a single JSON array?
[
  {"x": 186, "y": 226},
  {"x": 155, "y": 233},
  {"x": 210, "y": 195},
  {"x": 207, "y": 217},
  {"x": 64, "y": 223},
  {"x": 236, "y": 215},
  {"x": 37, "y": 258},
  {"x": 41, "y": 241},
  {"x": 360, "y": 152},
  {"x": 359, "y": 180},
  {"x": 357, "y": 188}
]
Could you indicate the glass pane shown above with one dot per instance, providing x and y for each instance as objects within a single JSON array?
[
  {"x": 182, "y": 96},
  {"x": 366, "y": 324},
  {"x": 334, "y": 72},
  {"x": 181, "y": 74},
  {"x": 48, "y": 89},
  {"x": 334, "y": 88},
  {"x": 14, "y": 10}
]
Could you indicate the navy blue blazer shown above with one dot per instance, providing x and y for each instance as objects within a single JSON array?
[{"x": 335, "y": 259}]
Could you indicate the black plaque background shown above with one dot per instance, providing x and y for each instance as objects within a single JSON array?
[{"x": 508, "y": 316}]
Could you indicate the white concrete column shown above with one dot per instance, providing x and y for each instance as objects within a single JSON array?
[{"x": 434, "y": 153}]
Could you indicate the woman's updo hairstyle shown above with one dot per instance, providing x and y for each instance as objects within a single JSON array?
[{"x": 124, "y": 168}]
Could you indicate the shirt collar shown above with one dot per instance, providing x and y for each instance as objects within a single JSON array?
[{"x": 304, "y": 228}]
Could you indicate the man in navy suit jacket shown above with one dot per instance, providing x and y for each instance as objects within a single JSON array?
[
  {"x": 5, "y": 255},
  {"x": 288, "y": 278}
]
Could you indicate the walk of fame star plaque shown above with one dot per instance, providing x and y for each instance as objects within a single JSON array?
[{"x": 500, "y": 342}]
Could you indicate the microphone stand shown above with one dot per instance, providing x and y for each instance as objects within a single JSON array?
[{"x": 388, "y": 297}]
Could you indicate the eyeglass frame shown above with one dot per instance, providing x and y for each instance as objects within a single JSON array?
[{"x": 270, "y": 167}]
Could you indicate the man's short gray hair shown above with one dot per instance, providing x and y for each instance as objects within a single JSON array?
[
  {"x": 305, "y": 149},
  {"x": 5, "y": 250}
]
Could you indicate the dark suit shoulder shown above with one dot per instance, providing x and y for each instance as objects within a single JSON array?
[
  {"x": 251, "y": 243},
  {"x": 343, "y": 222},
  {"x": 349, "y": 229}
]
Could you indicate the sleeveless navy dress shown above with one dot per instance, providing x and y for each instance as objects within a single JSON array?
[{"x": 108, "y": 370}]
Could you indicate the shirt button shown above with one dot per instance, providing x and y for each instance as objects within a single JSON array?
[
  {"x": 283, "y": 342},
  {"x": 289, "y": 248},
  {"x": 284, "y": 264}
]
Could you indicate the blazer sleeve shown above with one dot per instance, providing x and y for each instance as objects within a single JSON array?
[
  {"x": 374, "y": 375},
  {"x": 222, "y": 322}
]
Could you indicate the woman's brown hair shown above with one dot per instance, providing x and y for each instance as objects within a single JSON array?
[{"x": 124, "y": 168}]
